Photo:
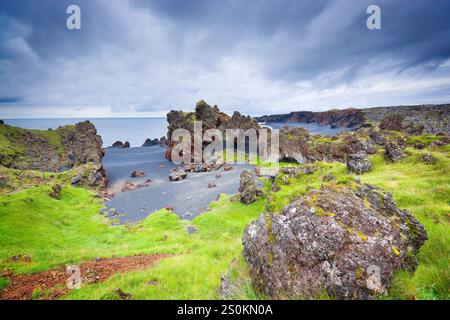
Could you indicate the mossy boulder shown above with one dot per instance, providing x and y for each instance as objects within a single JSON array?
[{"x": 347, "y": 241}]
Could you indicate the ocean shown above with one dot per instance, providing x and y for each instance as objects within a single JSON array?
[{"x": 137, "y": 130}]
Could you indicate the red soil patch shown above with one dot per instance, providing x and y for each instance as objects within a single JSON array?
[{"x": 51, "y": 284}]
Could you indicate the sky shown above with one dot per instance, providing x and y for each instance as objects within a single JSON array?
[{"x": 136, "y": 58}]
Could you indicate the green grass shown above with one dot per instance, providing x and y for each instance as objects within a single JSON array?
[
  {"x": 53, "y": 137},
  {"x": 71, "y": 230},
  {"x": 426, "y": 139},
  {"x": 10, "y": 145},
  {"x": 421, "y": 188}
]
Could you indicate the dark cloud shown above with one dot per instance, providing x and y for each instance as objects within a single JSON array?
[{"x": 255, "y": 55}]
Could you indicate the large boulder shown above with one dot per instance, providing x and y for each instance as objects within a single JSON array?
[
  {"x": 394, "y": 151},
  {"x": 248, "y": 193},
  {"x": 346, "y": 241},
  {"x": 358, "y": 163}
]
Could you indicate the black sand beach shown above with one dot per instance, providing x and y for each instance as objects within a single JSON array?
[{"x": 188, "y": 198}]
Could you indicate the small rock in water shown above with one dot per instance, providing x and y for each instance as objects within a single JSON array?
[
  {"x": 137, "y": 173},
  {"x": 151, "y": 143},
  {"x": 211, "y": 185},
  {"x": 218, "y": 176}
]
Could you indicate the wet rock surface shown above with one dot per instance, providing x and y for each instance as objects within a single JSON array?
[{"x": 342, "y": 240}]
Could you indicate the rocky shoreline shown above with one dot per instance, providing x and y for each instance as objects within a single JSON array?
[{"x": 433, "y": 118}]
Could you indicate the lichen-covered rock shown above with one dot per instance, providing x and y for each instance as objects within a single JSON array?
[
  {"x": 394, "y": 151},
  {"x": 377, "y": 138},
  {"x": 358, "y": 163},
  {"x": 248, "y": 193},
  {"x": 346, "y": 241}
]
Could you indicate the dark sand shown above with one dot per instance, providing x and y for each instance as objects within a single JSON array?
[{"x": 188, "y": 198}]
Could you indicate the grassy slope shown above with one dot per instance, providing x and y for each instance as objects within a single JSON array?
[{"x": 71, "y": 230}]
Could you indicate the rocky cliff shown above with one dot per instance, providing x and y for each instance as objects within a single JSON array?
[
  {"x": 433, "y": 118},
  {"x": 347, "y": 118},
  {"x": 56, "y": 150},
  {"x": 211, "y": 118}
]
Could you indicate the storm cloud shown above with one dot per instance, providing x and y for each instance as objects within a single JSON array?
[{"x": 136, "y": 57}]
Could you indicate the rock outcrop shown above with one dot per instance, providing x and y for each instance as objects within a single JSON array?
[
  {"x": 121, "y": 145},
  {"x": 298, "y": 145},
  {"x": 346, "y": 241},
  {"x": 248, "y": 192},
  {"x": 347, "y": 118},
  {"x": 394, "y": 151},
  {"x": 358, "y": 163},
  {"x": 151, "y": 142},
  {"x": 411, "y": 119},
  {"x": 57, "y": 151},
  {"x": 137, "y": 174},
  {"x": 162, "y": 142},
  {"x": 211, "y": 118},
  {"x": 397, "y": 122}
]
